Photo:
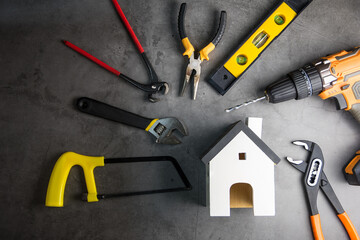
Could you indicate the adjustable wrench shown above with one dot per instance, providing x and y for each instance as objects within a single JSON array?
[{"x": 162, "y": 128}]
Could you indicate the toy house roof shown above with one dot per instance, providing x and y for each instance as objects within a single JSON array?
[{"x": 233, "y": 131}]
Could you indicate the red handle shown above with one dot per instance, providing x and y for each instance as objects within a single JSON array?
[
  {"x": 344, "y": 218},
  {"x": 92, "y": 58},
  {"x": 127, "y": 25}
]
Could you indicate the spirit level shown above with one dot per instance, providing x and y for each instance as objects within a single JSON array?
[{"x": 256, "y": 42}]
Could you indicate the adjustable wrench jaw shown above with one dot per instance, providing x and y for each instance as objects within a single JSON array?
[{"x": 163, "y": 130}]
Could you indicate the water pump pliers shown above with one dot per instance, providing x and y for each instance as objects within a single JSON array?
[
  {"x": 314, "y": 179},
  {"x": 193, "y": 69},
  {"x": 155, "y": 85}
]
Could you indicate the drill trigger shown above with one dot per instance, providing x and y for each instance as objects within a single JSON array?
[{"x": 340, "y": 102}]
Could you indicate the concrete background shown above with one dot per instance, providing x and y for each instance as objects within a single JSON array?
[{"x": 41, "y": 78}]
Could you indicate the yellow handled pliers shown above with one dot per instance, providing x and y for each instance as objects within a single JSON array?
[{"x": 193, "y": 69}]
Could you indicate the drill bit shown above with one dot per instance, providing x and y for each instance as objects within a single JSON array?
[{"x": 245, "y": 104}]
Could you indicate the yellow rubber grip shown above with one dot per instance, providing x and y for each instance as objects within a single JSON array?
[
  {"x": 59, "y": 175},
  {"x": 204, "y": 53},
  {"x": 189, "y": 49},
  {"x": 150, "y": 125}
]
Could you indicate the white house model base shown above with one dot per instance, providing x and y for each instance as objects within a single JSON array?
[{"x": 240, "y": 157}]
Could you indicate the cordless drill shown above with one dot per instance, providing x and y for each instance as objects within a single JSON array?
[{"x": 336, "y": 75}]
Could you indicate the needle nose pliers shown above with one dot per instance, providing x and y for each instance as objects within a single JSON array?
[
  {"x": 315, "y": 178},
  {"x": 193, "y": 69}
]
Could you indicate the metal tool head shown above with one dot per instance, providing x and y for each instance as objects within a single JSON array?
[
  {"x": 245, "y": 104},
  {"x": 298, "y": 164},
  {"x": 293, "y": 161},
  {"x": 312, "y": 169},
  {"x": 159, "y": 88},
  {"x": 306, "y": 144},
  {"x": 193, "y": 71},
  {"x": 196, "y": 84},
  {"x": 163, "y": 130},
  {"x": 313, "y": 148},
  {"x": 303, "y": 143}
]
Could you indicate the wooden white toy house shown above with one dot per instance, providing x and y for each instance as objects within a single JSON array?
[{"x": 240, "y": 171}]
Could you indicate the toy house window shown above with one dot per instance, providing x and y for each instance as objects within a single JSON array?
[{"x": 242, "y": 156}]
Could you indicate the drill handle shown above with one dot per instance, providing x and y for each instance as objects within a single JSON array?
[
  {"x": 342, "y": 102},
  {"x": 355, "y": 111}
]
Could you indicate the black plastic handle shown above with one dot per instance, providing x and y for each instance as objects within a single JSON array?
[
  {"x": 355, "y": 111},
  {"x": 219, "y": 33},
  {"x": 181, "y": 21},
  {"x": 221, "y": 30},
  {"x": 103, "y": 110}
]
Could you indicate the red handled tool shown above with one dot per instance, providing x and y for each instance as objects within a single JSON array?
[
  {"x": 315, "y": 178},
  {"x": 155, "y": 85}
]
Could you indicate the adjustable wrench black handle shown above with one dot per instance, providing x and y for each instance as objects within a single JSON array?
[{"x": 103, "y": 110}]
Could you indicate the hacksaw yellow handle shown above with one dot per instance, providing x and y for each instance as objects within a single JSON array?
[{"x": 59, "y": 175}]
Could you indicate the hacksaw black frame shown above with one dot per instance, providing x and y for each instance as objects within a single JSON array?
[{"x": 187, "y": 185}]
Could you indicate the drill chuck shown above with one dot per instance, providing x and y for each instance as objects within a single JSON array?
[
  {"x": 281, "y": 91},
  {"x": 298, "y": 84}
]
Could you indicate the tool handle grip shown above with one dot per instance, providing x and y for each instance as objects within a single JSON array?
[
  {"x": 181, "y": 21},
  {"x": 221, "y": 29},
  {"x": 355, "y": 111},
  {"x": 352, "y": 170},
  {"x": 316, "y": 227},
  {"x": 103, "y": 110},
  {"x": 204, "y": 53},
  {"x": 189, "y": 48},
  {"x": 59, "y": 175},
  {"x": 344, "y": 218},
  {"x": 128, "y": 27},
  {"x": 91, "y": 57}
]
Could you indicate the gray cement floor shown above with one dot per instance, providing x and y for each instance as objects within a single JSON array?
[{"x": 41, "y": 79}]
